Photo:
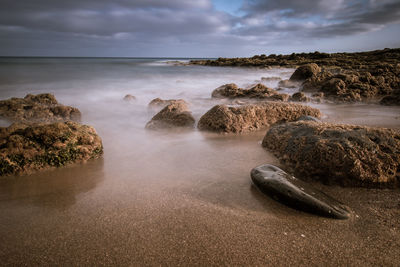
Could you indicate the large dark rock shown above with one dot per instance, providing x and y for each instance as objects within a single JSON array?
[
  {"x": 37, "y": 108},
  {"x": 304, "y": 72},
  {"x": 176, "y": 114},
  {"x": 348, "y": 155},
  {"x": 26, "y": 148},
  {"x": 253, "y": 117},
  {"x": 295, "y": 193}
]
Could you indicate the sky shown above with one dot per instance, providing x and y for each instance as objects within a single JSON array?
[{"x": 195, "y": 28}]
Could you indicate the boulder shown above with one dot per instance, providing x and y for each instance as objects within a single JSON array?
[
  {"x": 295, "y": 193},
  {"x": 231, "y": 90},
  {"x": 222, "y": 118},
  {"x": 348, "y": 155},
  {"x": 304, "y": 72},
  {"x": 175, "y": 114},
  {"x": 26, "y": 148},
  {"x": 37, "y": 108},
  {"x": 129, "y": 97}
]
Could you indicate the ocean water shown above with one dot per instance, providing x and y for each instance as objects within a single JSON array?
[{"x": 154, "y": 197}]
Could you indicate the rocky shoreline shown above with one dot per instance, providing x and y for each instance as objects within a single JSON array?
[{"x": 348, "y": 77}]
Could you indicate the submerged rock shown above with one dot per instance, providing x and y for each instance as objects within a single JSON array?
[
  {"x": 231, "y": 90},
  {"x": 129, "y": 97},
  {"x": 25, "y": 148},
  {"x": 222, "y": 118},
  {"x": 158, "y": 103},
  {"x": 37, "y": 108},
  {"x": 300, "y": 97},
  {"x": 304, "y": 72},
  {"x": 348, "y": 155},
  {"x": 176, "y": 114},
  {"x": 295, "y": 193}
]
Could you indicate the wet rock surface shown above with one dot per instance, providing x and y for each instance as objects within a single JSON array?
[
  {"x": 299, "y": 97},
  {"x": 348, "y": 77},
  {"x": 37, "y": 108},
  {"x": 176, "y": 114},
  {"x": 295, "y": 193},
  {"x": 222, "y": 118},
  {"x": 348, "y": 155},
  {"x": 233, "y": 91},
  {"x": 26, "y": 148}
]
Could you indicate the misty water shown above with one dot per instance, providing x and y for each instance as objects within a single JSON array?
[{"x": 154, "y": 194}]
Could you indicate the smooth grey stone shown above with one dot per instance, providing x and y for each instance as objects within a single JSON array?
[
  {"x": 296, "y": 193},
  {"x": 308, "y": 118}
]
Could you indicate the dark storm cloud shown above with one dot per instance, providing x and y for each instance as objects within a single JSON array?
[
  {"x": 106, "y": 18},
  {"x": 320, "y": 18}
]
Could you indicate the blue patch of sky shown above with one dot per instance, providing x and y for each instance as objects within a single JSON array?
[{"x": 229, "y": 6}]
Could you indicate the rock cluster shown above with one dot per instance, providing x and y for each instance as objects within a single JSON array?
[
  {"x": 37, "y": 108},
  {"x": 340, "y": 76},
  {"x": 24, "y": 148},
  {"x": 246, "y": 118},
  {"x": 348, "y": 155},
  {"x": 176, "y": 114}
]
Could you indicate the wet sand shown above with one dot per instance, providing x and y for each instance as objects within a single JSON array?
[{"x": 186, "y": 198}]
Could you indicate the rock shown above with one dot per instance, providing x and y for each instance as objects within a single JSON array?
[
  {"x": 158, "y": 103},
  {"x": 300, "y": 97},
  {"x": 304, "y": 72},
  {"x": 296, "y": 193},
  {"x": 175, "y": 114},
  {"x": 129, "y": 97},
  {"x": 233, "y": 91},
  {"x": 289, "y": 84},
  {"x": 26, "y": 148},
  {"x": 222, "y": 118},
  {"x": 279, "y": 97},
  {"x": 348, "y": 155},
  {"x": 391, "y": 100},
  {"x": 271, "y": 79},
  {"x": 37, "y": 108},
  {"x": 308, "y": 118}
]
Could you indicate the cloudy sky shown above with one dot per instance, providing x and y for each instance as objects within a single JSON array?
[{"x": 195, "y": 28}]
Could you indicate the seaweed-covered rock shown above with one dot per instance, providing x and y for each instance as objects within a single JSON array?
[
  {"x": 37, "y": 108},
  {"x": 248, "y": 118},
  {"x": 176, "y": 114},
  {"x": 231, "y": 90},
  {"x": 305, "y": 72},
  {"x": 25, "y": 148},
  {"x": 349, "y": 155}
]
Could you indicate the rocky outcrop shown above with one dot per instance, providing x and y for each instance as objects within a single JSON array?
[
  {"x": 37, "y": 108},
  {"x": 366, "y": 76},
  {"x": 305, "y": 72},
  {"x": 176, "y": 114},
  {"x": 295, "y": 193},
  {"x": 222, "y": 118},
  {"x": 231, "y": 90},
  {"x": 348, "y": 155},
  {"x": 26, "y": 148}
]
